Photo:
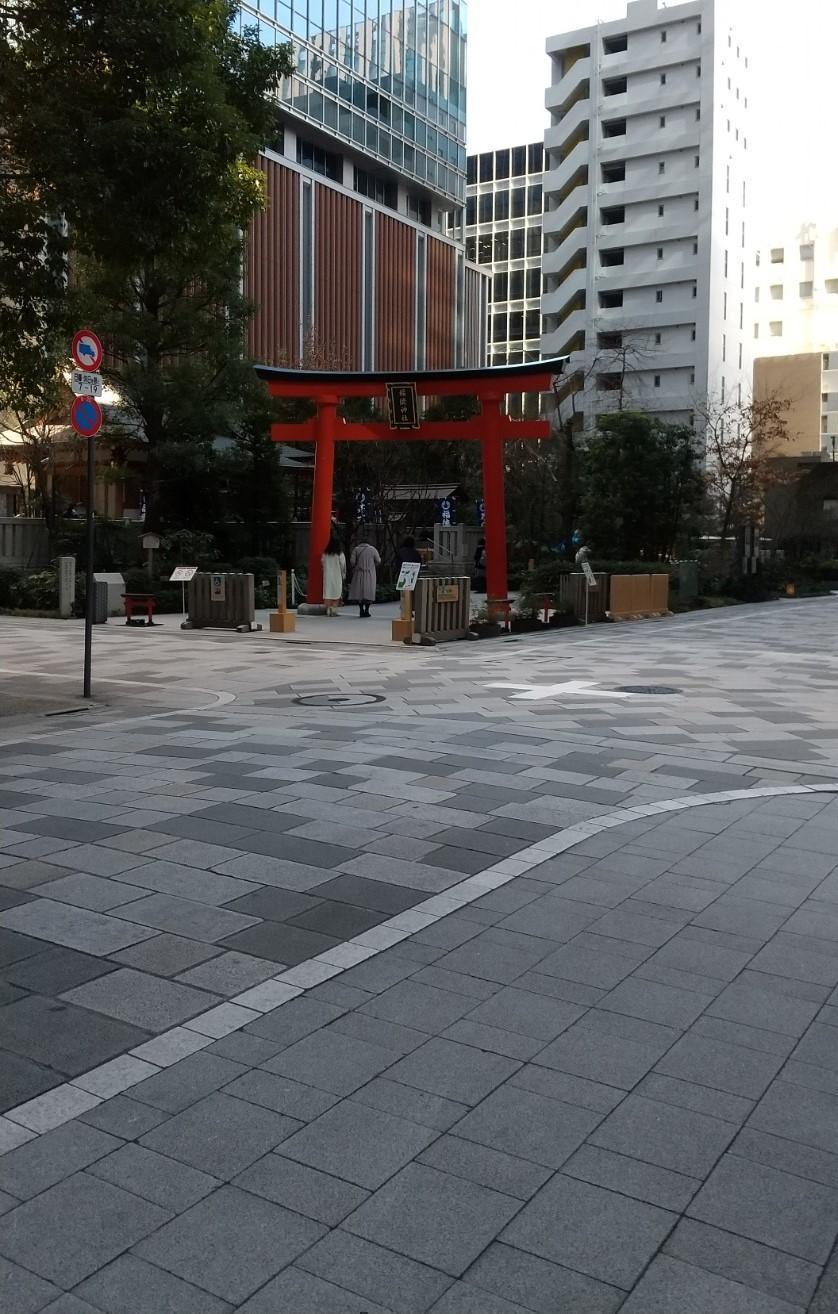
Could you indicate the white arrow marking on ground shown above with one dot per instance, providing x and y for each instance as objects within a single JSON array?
[{"x": 534, "y": 693}]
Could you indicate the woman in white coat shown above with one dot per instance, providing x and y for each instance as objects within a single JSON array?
[
  {"x": 364, "y": 562},
  {"x": 334, "y": 575}
]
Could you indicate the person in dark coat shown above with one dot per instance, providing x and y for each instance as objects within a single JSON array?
[
  {"x": 365, "y": 562},
  {"x": 407, "y": 552}
]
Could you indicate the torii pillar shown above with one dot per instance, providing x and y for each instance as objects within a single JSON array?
[{"x": 321, "y": 502}]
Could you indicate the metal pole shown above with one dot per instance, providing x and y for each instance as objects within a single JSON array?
[
  {"x": 91, "y": 546},
  {"x": 587, "y": 598}
]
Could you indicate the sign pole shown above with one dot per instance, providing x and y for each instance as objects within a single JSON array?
[
  {"x": 86, "y": 419},
  {"x": 91, "y": 547}
]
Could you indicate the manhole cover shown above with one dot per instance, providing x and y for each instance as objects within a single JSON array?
[
  {"x": 647, "y": 689},
  {"x": 339, "y": 700}
]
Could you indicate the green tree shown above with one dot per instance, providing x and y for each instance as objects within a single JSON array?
[
  {"x": 642, "y": 487},
  {"x": 137, "y": 123}
]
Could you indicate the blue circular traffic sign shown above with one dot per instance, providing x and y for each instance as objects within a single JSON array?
[{"x": 86, "y": 416}]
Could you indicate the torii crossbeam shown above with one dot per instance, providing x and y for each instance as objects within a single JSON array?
[{"x": 490, "y": 427}]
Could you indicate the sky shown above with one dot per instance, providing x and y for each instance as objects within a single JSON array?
[{"x": 793, "y": 97}]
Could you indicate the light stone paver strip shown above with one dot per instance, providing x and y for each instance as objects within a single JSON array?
[{"x": 450, "y": 1003}]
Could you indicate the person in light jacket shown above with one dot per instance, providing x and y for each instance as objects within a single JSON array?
[
  {"x": 334, "y": 575},
  {"x": 364, "y": 561}
]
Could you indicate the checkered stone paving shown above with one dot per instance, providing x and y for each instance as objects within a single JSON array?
[{"x": 451, "y": 1002}]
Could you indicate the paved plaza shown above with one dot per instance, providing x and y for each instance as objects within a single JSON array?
[{"x": 487, "y": 978}]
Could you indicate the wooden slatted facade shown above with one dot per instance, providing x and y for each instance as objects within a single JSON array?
[
  {"x": 272, "y": 269},
  {"x": 439, "y": 300},
  {"x": 395, "y": 294}
]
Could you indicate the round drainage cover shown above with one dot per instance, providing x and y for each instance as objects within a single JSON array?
[
  {"x": 339, "y": 700},
  {"x": 647, "y": 689}
]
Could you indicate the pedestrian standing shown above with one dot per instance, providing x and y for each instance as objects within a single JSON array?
[
  {"x": 334, "y": 575},
  {"x": 407, "y": 552},
  {"x": 365, "y": 562},
  {"x": 480, "y": 567}
]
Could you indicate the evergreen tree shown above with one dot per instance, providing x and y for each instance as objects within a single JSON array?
[{"x": 138, "y": 125}]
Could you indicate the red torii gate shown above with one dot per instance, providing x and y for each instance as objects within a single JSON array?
[{"x": 491, "y": 427}]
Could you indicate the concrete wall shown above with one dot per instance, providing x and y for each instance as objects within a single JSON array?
[{"x": 797, "y": 378}]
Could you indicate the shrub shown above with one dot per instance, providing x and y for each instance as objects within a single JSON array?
[
  {"x": 38, "y": 592},
  {"x": 10, "y": 581}
]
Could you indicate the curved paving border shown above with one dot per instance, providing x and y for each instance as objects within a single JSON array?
[{"x": 67, "y": 1101}]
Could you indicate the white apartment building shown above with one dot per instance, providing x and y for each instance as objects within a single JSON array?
[
  {"x": 795, "y": 327},
  {"x": 796, "y": 292},
  {"x": 647, "y": 253}
]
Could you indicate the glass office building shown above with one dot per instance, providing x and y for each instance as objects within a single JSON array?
[{"x": 385, "y": 77}]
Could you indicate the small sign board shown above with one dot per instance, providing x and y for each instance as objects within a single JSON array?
[
  {"x": 182, "y": 574},
  {"x": 86, "y": 416},
  {"x": 87, "y": 350},
  {"x": 402, "y": 406},
  {"x": 86, "y": 383},
  {"x": 448, "y": 593},
  {"x": 408, "y": 576},
  {"x": 218, "y": 588},
  {"x": 150, "y": 542},
  {"x": 591, "y": 578}
]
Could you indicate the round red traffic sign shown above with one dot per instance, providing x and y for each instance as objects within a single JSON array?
[
  {"x": 87, "y": 350},
  {"x": 86, "y": 416}
]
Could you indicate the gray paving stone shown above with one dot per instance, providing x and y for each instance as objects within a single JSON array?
[
  {"x": 493, "y": 1040},
  {"x": 655, "y": 1002},
  {"x": 22, "y": 1080},
  {"x": 141, "y": 999},
  {"x": 220, "y": 1135},
  {"x": 186, "y": 1082},
  {"x": 736, "y": 1033},
  {"x": 190, "y": 882},
  {"x": 132, "y": 1286},
  {"x": 730, "y": 1068},
  {"x": 389, "y": 1035},
  {"x": 670, "y": 1284},
  {"x": 358, "y": 1143},
  {"x": 22, "y": 1292},
  {"x": 232, "y": 1262},
  {"x": 631, "y": 1176},
  {"x": 538, "y": 1285},
  {"x": 485, "y": 1166},
  {"x": 456, "y": 982},
  {"x": 676, "y": 1138},
  {"x": 331, "y": 1062},
  {"x": 612, "y": 1054},
  {"x": 556, "y": 987},
  {"x": 55, "y": 970},
  {"x": 68, "y": 1039},
  {"x": 77, "y": 928},
  {"x": 810, "y": 1116},
  {"x": 532, "y": 1015},
  {"x": 86, "y": 891},
  {"x": 733, "y": 1257},
  {"x": 768, "y": 1009},
  {"x": 769, "y": 1206},
  {"x": 528, "y": 1125},
  {"x": 48, "y": 1159},
  {"x": 198, "y": 921},
  {"x": 166, "y": 955},
  {"x": 569, "y": 1089},
  {"x": 275, "y": 904},
  {"x": 800, "y": 958},
  {"x": 690, "y": 1095},
  {"x": 280, "y": 1094},
  {"x": 789, "y": 1156},
  {"x": 433, "y": 1217},
  {"x": 819, "y": 1045},
  {"x": 123, "y": 1117},
  {"x": 294, "y": 1020},
  {"x": 420, "y": 1006},
  {"x": 69, "y": 1304},
  {"x": 265, "y": 869},
  {"x": 282, "y": 943},
  {"x": 635, "y": 928},
  {"x": 414, "y": 1105},
  {"x": 173, "y": 1186},
  {"x": 594, "y": 1231},
  {"x": 389, "y": 1279},
  {"x": 194, "y": 853},
  {"x": 72, "y": 1229},
  {"x": 293, "y": 1291},
  {"x": 491, "y": 960},
  {"x": 589, "y": 966},
  {"x": 303, "y": 1189},
  {"x": 456, "y": 1072}
]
